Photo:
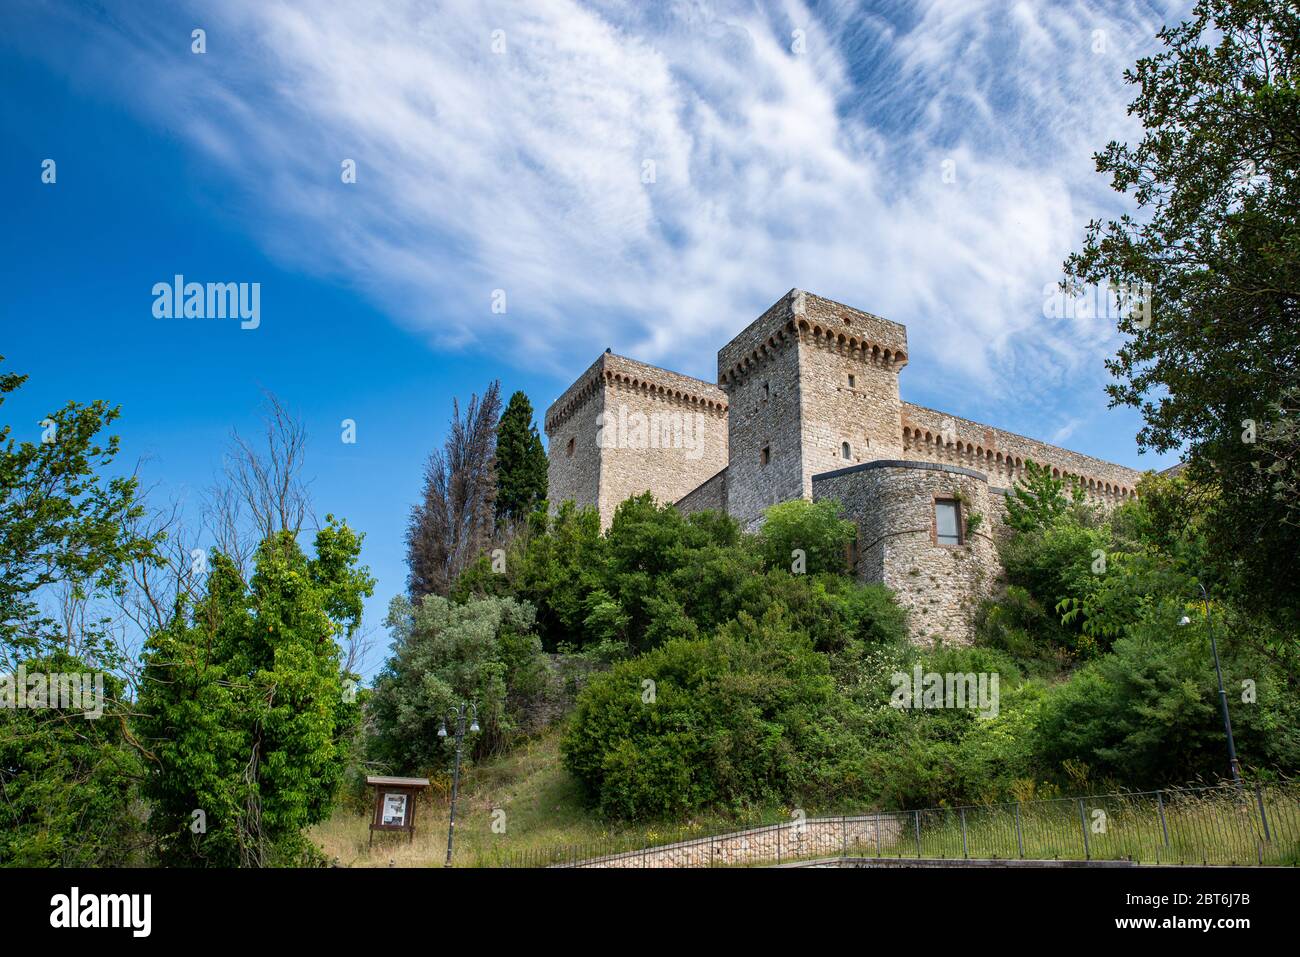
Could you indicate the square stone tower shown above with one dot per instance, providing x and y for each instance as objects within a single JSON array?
[
  {"x": 626, "y": 427},
  {"x": 812, "y": 387}
]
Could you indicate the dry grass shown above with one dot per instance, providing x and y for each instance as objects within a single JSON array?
[
  {"x": 542, "y": 805},
  {"x": 544, "y": 811}
]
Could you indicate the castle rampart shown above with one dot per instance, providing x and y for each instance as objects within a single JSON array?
[
  {"x": 807, "y": 406},
  {"x": 938, "y": 437}
]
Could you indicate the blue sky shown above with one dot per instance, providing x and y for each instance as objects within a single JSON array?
[{"x": 928, "y": 161}]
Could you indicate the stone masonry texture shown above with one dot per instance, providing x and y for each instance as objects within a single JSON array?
[
  {"x": 807, "y": 405},
  {"x": 625, "y": 428}
]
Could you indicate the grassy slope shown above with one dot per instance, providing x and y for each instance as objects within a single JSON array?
[
  {"x": 542, "y": 805},
  {"x": 543, "y": 809}
]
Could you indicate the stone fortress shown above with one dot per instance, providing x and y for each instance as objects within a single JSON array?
[{"x": 807, "y": 406}]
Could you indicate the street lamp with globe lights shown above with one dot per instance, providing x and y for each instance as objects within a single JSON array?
[
  {"x": 1223, "y": 695},
  {"x": 458, "y": 722}
]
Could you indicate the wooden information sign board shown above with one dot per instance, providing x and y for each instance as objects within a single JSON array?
[{"x": 395, "y": 804}]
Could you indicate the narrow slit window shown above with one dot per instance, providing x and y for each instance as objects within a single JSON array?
[
  {"x": 568, "y": 450},
  {"x": 947, "y": 521},
  {"x": 845, "y": 450},
  {"x": 765, "y": 455},
  {"x": 852, "y": 381}
]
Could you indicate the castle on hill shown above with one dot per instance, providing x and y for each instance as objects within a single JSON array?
[{"x": 807, "y": 405}]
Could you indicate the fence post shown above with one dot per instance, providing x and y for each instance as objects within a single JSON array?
[
  {"x": 1083, "y": 823},
  {"x": 965, "y": 851},
  {"x": 1020, "y": 841},
  {"x": 918, "y": 834},
  {"x": 844, "y": 833},
  {"x": 877, "y": 834},
  {"x": 1263, "y": 816},
  {"x": 778, "y": 843},
  {"x": 1164, "y": 825}
]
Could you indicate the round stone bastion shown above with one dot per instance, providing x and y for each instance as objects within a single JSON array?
[{"x": 894, "y": 504}]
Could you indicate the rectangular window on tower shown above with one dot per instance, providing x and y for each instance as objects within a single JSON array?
[{"x": 947, "y": 521}]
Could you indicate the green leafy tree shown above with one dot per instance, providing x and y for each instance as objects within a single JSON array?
[
  {"x": 243, "y": 708},
  {"x": 521, "y": 462},
  {"x": 484, "y": 651},
  {"x": 68, "y": 782},
  {"x": 1148, "y": 714},
  {"x": 657, "y": 575},
  {"x": 1211, "y": 262},
  {"x": 62, "y": 520},
  {"x": 1037, "y": 499},
  {"x": 814, "y": 528},
  {"x": 558, "y": 570}
]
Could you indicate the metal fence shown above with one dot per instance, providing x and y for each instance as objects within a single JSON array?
[{"x": 1205, "y": 825}]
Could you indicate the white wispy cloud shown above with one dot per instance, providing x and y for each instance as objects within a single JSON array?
[{"x": 522, "y": 170}]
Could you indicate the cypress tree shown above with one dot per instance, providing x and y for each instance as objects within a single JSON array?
[{"x": 521, "y": 462}]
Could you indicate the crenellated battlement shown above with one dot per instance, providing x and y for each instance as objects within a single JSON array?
[
  {"x": 620, "y": 372},
  {"x": 935, "y": 436},
  {"x": 800, "y": 316}
]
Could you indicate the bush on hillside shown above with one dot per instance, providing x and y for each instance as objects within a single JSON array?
[
  {"x": 483, "y": 651},
  {"x": 813, "y": 528},
  {"x": 1148, "y": 714},
  {"x": 745, "y": 718}
]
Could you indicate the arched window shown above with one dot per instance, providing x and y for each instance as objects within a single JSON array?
[{"x": 845, "y": 451}]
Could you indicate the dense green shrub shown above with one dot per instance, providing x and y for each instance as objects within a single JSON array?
[
  {"x": 656, "y": 575},
  {"x": 1148, "y": 714},
  {"x": 814, "y": 528},
  {"x": 1050, "y": 565},
  {"x": 1143, "y": 709},
  {"x": 747, "y": 717},
  {"x": 1113, "y": 694}
]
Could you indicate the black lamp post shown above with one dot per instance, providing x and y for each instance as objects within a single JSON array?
[
  {"x": 1223, "y": 695},
  {"x": 458, "y": 721}
]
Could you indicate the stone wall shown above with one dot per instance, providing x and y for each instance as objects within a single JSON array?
[
  {"x": 763, "y": 426},
  {"x": 798, "y": 382},
  {"x": 573, "y": 459},
  {"x": 682, "y": 445},
  {"x": 787, "y": 376},
  {"x": 814, "y": 837},
  {"x": 934, "y": 436},
  {"x": 634, "y": 428},
  {"x": 711, "y": 496},
  {"x": 892, "y": 504}
]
